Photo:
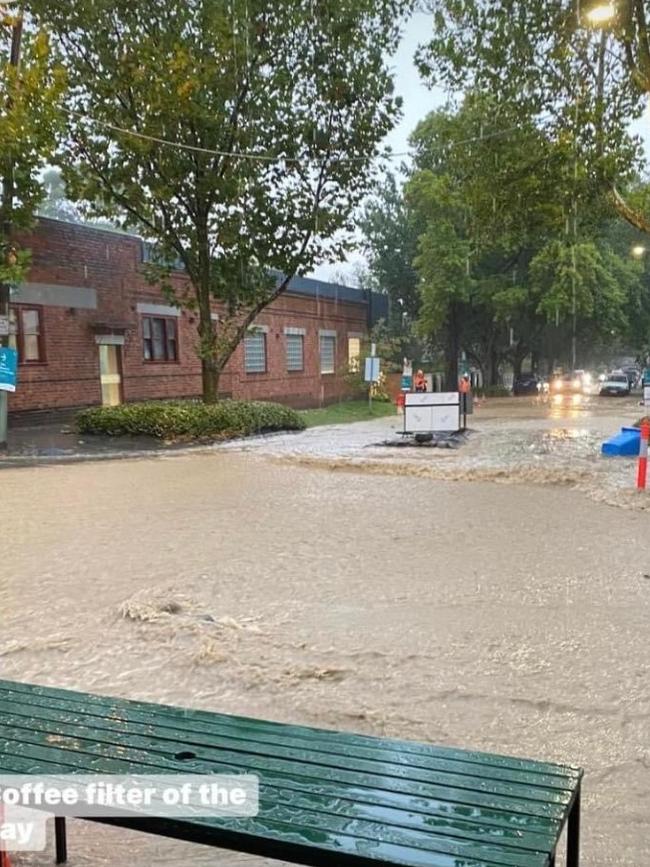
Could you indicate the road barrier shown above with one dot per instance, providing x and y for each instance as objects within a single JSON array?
[{"x": 642, "y": 469}]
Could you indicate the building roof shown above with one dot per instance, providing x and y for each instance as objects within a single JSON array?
[{"x": 310, "y": 286}]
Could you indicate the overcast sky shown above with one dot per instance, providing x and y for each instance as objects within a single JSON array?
[{"x": 418, "y": 101}]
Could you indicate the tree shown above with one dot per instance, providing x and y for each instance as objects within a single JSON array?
[
  {"x": 505, "y": 259},
  {"x": 485, "y": 203},
  {"x": 56, "y": 203},
  {"x": 238, "y": 136},
  {"x": 30, "y": 88},
  {"x": 545, "y": 58},
  {"x": 390, "y": 236}
]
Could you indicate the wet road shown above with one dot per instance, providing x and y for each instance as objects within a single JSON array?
[
  {"x": 506, "y": 617},
  {"x": 547, "y": 441}
]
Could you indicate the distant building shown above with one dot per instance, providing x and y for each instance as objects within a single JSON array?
[{"x": 89, "y": 329}]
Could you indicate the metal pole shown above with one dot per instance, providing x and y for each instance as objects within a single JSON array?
[
  {"x": 8, "y": 192},
  {"x": 4, "y": 341},
  {"x": 573, "y": 835},
  {"x": 373, "y": 352},
  {"x": 573, "y": 303}
]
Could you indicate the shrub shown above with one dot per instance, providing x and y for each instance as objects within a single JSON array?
[{"x": 189, "y": 420}]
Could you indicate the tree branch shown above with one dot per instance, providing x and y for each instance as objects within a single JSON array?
[
  {"x": 644, "y": 45},
  {"x": 631, "y": 215}
]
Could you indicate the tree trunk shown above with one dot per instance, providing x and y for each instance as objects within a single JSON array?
[
  {"x": 452, "y": 350},
  {"x": 210, "y": 370},
  {"x": 494, "y": 367},
  {"x": 210, "y": 380}
]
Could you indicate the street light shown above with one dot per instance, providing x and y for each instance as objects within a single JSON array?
[
  {"x": 638, "y": 251},
  {"x": 601, "y": 14}
]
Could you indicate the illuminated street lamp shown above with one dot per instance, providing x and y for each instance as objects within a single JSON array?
[
  {"x": 601, "y": 14},
  {"x": 638, "y": 251}
]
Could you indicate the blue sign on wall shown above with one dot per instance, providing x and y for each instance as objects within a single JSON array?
[{"x": 8, "y": 367}]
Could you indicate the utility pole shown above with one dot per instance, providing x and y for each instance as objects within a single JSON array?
[
  {"x": 6, "y": 210},
  {"x": 574, "y": 238}
]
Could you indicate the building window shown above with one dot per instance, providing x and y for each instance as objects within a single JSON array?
[
  {"x": 354, "y": 354},
  {"x": 295, "y": 352},
  {"x": 159, "y": 338},
  {"x": 255, "y": 352},
  {"x": 26, "y": 334},
  {"x": 327, "y": 353}
]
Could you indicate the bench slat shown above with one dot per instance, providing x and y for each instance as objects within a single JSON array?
[
  {"x": 118, "y": 733},
  {"x": 240, "y": 740},
  {"x": 92, "y": 751},
  {"x": 304, "y": 732}
]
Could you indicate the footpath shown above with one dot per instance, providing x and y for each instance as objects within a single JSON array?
[{"x": 55, "y": 442}]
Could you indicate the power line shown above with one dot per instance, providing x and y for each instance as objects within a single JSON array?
[{"x": 275, "y": 157}]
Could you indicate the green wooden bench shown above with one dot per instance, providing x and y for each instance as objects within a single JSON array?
[{"x": 326, "y": 798}]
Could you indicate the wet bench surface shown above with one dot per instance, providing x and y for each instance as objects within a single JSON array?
[{"x": 326, "y": 797}]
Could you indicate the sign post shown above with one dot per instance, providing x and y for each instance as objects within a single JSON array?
[
  {"x": 372, "y": 371},
  {"x": 407, "y": 376},
  {"x": 4, "y": 348}
]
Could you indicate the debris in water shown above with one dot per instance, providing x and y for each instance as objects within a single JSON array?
[
  {"x": 149, "y": 606},
  {"x": 54, "y": 643},
  {"x": 428, "y": 440},
  {"x": 209, "y": 653}
]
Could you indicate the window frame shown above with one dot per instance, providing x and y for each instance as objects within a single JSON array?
[
  {"x": 166, "y": 338},
  {"x": 257, "y": 332},
  {"x": 290, "y": 334},
  {"x": 354, "y": 362},
  {"x": 19, "y": 334},
  {"x": 326, "y": 335}
]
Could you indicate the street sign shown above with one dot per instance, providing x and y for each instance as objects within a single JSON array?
[
  {"x": 4, "y": 326},
  {"x": 372, "y": 369},
  {"x": 8, "y": 367},
  {"x": 407, "y": 383}
]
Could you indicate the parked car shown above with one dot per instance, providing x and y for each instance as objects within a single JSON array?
[
  {"x": 616, "y": 385},
  {"x": 527, "y": 383}
]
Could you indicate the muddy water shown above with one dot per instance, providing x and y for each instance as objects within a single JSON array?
[
  {"x": 530, "y": 441},
  {"x": 506, "y": 618}
]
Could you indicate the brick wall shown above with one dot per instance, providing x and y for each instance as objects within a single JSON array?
[{"x": 110, "y": 263}]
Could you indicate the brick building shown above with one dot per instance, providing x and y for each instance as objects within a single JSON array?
[{"x": 90, "y": 329}]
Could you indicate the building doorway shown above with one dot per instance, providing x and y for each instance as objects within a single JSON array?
[{"x": 110, "y": 373}]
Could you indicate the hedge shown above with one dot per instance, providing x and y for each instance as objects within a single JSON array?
[{"x": 189, "y": 420}]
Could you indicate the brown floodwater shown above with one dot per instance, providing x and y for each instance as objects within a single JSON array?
[{"x": 505, "y": 617}]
